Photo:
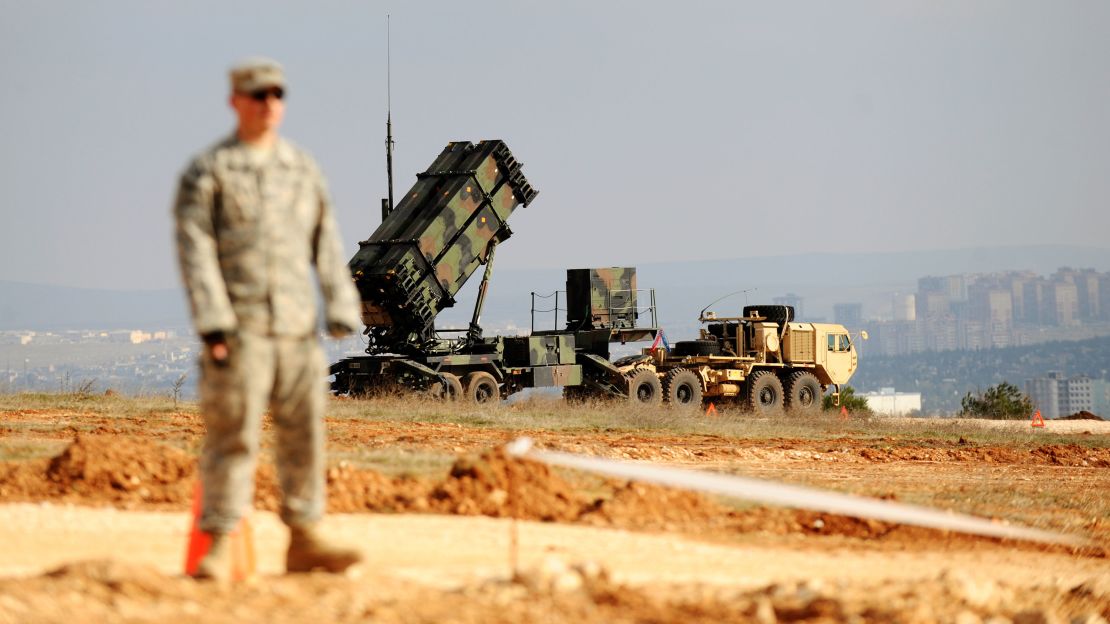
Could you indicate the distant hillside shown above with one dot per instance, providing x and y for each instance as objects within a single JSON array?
[
  {"x": 944, "y": 378},
  {"x": 682, "y": 288}
]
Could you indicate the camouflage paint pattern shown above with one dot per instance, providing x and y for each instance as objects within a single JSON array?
[
  {"x": 601, "y": 298},
  {"x": 249, "y": 231},
  {"x": 441, "y": 231},
  {"x": 279, "y": 374},
  {"x": 546, "y": 350}
]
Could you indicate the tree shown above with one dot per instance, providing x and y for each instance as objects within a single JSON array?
[
  {"x": 177, "y": 388},
  {"x": 1002, "y": 402},
  {"x": 848, "y": 399}
]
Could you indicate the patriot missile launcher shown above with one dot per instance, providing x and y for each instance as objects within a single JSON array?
[
  {"x": 424, "y": 251},
  {"x": 414, "y": 264}
]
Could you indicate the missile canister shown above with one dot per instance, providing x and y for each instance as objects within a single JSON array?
[{"x": 441, "y": 231}]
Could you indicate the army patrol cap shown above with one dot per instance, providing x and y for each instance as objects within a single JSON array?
[{"x": 256, "y": 73}]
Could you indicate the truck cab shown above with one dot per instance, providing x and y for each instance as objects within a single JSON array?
[{"x": 838, "y": 360}]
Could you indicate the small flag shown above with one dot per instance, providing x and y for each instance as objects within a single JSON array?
[{"x": 660, "y": 339}]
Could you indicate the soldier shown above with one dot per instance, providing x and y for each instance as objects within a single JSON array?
[{"x": 253, "y": 217}]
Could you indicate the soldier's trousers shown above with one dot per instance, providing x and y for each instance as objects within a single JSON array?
[{"x": 285, "y": 375}]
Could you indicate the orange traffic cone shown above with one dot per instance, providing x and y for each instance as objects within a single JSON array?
[
  {"x": 1037, "y": 420},
  {"x": 711, "y": 410},
  {"x": 242, "y": 543},
  {"x": 843, "y": 412}
]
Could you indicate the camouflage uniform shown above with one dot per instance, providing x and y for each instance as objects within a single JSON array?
[{"x": 250, "y": 225}]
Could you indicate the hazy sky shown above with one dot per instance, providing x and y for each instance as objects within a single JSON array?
[{"x": 653, "y": 131}]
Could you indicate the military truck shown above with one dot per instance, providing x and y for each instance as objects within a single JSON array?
[
  {"x": 764, "y": 360},
  {"x": 423, "y": 252}
]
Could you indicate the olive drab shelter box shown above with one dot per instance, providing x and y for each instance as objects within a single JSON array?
[{"x": 601, "y": 298}]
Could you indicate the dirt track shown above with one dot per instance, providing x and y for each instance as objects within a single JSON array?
[{"x": 441, "y": 550}]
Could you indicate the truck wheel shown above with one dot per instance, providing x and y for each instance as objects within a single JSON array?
[
  {"x": 682, "y": 388},
  {"x": 803, "y": 392},
  {"x": 764, "y": 393},
  {"x": 697, "y": 347},
  {"x": 453, "y": 390},
  {"x": 644, "y": 387},
  {"x": 342, "y": 385},
  {"x": 481, "y": 387},
  {"x": 773, "y": 313}
]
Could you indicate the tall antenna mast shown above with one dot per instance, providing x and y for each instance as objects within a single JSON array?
[{"x": 387, "y": 204}]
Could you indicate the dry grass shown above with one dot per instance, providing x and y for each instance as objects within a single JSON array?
[
  {"x": 554, "y": 414},
  {"x": 551, "y": 413},
  {"x": 103, "y": 404}
]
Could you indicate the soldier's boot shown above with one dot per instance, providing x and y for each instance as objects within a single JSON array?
[
  {"x": 216, "y": 563},
  {"x": 309, "y": 551}
]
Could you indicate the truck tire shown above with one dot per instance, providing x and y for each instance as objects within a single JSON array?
[
  {"x": 803, "y": 392},
  {"x": 644, "y": 387},
  {"x": 682, "y": 389},
  {"x": 481, "y": 387},
  {"x": 697, "y": 347},
  {"x": 764, "y": 393},
  {"x": 453, "y": 390},
  {"x": 774, "y": 313}
]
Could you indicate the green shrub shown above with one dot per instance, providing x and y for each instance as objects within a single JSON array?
[
  {"x": 848, "y": 399},
  {"x": 1002, "y": 402}
]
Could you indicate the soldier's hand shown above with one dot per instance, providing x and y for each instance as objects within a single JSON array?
[
  {"x": 339, "y": 330},
  {"x": 217, "y": 347}
]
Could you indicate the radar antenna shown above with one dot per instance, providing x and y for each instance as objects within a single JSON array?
[{"x": 387, "y": 203}]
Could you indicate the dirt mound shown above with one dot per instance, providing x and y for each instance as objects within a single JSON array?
[
  {"x": 124, "y": 467},
  {"x": 1072, "y": 455},
  {"x": 1049, "y": 454},
  {"x": 1082, "y": 415},
  {"x": 496, "y": 485},
  {"x": 122, "y": 470},
  {"x": 646, "y": 506},
  {"x": 351, "y": 490},
  {"x": 779, "y": 521},
  {"x": 476, "y": 485},
  {"x": 985, "y": 454}
]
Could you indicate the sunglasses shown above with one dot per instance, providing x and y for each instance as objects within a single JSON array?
[{"x": 264, "y": 94}]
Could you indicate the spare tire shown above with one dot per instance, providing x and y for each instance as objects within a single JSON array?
[
  {"x": 773, "y": 313},
  {"x": 697, "y": 347}
]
